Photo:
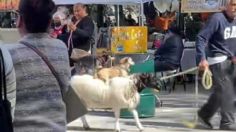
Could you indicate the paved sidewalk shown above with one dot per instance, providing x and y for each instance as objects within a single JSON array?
[{"x": 178, "y": 107}]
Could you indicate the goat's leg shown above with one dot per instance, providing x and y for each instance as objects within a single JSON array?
[
  {"x": 107, "y": 80},
  {"x": 85, "y": 123},
  {"x": 138, "y": 123},
  {"x": 117, "y": 116}
]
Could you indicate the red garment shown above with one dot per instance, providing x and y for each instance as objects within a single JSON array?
[{"x": 57, "y": 31}]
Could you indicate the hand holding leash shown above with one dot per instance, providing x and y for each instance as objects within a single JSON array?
[
  {"x": 71, "y": 27},
  {"x": 233, "y": 60},
  {"x": 203, "y": 65}
]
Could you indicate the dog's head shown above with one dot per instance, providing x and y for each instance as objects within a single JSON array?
[{"x": 126, "y": 62}]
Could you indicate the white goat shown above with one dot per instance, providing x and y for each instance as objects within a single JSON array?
[{"x": 120, "y": 93}]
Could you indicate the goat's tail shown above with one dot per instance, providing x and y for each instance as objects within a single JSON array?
[
  {"x": 134, "y": 101},
  {"x": 132, "y": 96},
  {"x": 74, "y": 82}
]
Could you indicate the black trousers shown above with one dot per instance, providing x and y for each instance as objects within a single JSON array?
[
  {"x": 161, "y": 65},
  {"x": 223, "y": 95}
]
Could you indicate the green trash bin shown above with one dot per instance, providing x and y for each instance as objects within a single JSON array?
[
  {"x": 146, "y": 107},
  {"x": 145, "y": 67}
]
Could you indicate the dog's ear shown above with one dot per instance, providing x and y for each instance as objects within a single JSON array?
[
  {"x": 124, "y": 60},
  {"x": 112, "y": 58},
  {"x": 130, "y": 61}
]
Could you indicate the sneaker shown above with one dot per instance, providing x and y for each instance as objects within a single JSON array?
[
  {"x": 204, "y": 122},
  {"x": 228, "y": 127}
]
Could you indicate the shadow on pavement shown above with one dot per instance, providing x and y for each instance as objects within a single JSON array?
[
  {"x": 74, "y": 128},
  {"x": 157, "y": 124},
  {"x": 173, "y": 126},
  {"x": 102, "y": 112}
]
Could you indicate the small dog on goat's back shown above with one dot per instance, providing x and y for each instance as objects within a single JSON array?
[{"x": 122, "y": 69}]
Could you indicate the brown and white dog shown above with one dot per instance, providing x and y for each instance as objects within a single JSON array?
[
  {"x": 126, "y": 62},
  {"x": 120, "y": 70}
]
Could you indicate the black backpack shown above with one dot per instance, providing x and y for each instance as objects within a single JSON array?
[{"x": 5, "y": 105}]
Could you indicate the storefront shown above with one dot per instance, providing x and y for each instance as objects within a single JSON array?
[{"x": 8, "y": 31}]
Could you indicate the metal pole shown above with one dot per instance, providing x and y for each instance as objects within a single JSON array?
[
  {"x": 196, "y": 89},
  {"x": 94, "y": 47},
  {"x": 196, "y": 93},
  {"x": 118, "y": 15},
  {"x": 141, "y": 14},
  {"x": 179, "y": 15}
]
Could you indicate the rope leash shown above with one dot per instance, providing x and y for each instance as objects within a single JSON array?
[
  {"x": 206, "y": 78},
  {"x": 207, "y": 84}
]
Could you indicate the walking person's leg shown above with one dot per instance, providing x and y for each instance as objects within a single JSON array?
[
  {"x": 208, "y": 110},
  {"x": 215, "y": 100},
  {"x": 228, "y": 94},
  {"x": 222, "y": 96}
]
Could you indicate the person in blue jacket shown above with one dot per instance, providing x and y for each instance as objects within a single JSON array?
[{"x": 219, "y": 34}]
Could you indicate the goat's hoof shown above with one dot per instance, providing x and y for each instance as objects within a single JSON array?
[
  {"x": 86, "y": 127},
  {"x": 141, "y": 129},
  {"x": 117, "y": 130}
]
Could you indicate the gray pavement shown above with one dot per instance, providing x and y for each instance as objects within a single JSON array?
[{"x": 178, "y": 108}]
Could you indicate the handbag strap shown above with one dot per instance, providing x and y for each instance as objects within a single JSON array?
[
  {"x": 2, "y": 78},
  {"x": 45, "y": 59}
]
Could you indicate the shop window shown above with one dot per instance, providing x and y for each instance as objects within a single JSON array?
[{"x": 8, "y": 19}]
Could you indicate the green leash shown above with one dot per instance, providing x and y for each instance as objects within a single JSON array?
[
  {"x": 206, "y": 81},
  {"x": 206, "y": 78},
  {"x": 207, "y": 84}
]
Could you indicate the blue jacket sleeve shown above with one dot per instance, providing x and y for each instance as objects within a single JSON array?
[{"x": 204, "y": 36}]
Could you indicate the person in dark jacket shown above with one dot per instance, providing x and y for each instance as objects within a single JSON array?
[
  {"x": 168, "y": 55},
  {"x": 130, "y": 21},
  {"x": 82, "y": 27},
  {"x": 81, "y": 30},
  {"x": 219, "y": 34}
]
